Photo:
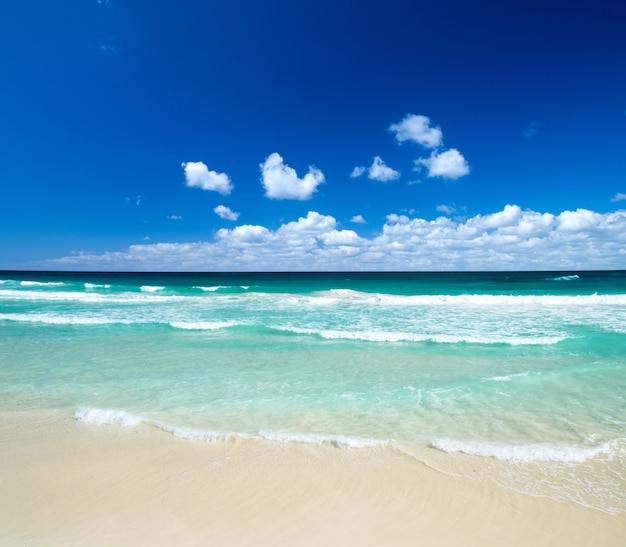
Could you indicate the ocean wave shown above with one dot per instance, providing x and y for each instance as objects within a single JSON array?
[
  {"x": 42, "y": 284},
  {"x": 507, "y": 377},
  {"x": 51, "y": 319},
  {"x": 478, "y": 300},
  {"x": 92, "y": 286},
  {"x": 123, "y": 418},
  {"x": 211, "y": 289},
  {"x": 388, "y": 336},
  {"x": 565, "y": 278},
  {"x": 107, "y": 416},
  {"x": 539, "y": 452},
  {"x": 203, "y": 325},
  {"x": 338, "y": 441},
  {"x": 91, "y": 297},
  {"x": 152, "y": 293},
  {"x": 151, "y": 288}
]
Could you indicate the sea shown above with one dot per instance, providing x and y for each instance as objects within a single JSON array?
[{"x": 518, "y": 378}]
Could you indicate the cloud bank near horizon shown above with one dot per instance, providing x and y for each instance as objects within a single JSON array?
[{"x": 511, "y": 239}]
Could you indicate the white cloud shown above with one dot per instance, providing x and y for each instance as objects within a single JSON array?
[
  {"x": 449, "y": 164},
  {"x": 197, "y": 175},
  {"x": 281, "y": 181},
  {"x": 618, "y": 197},
  {"x": 381, "y": 172},
  {"x": 341, "y": 238},
  {"x": 108, "y": 48},
  {"x": 397, "y": 219},
  {"x": 531, "y": 129},
  {"x": 510, "y": 239},
  {"x": 417, "y": 128},
  {"x": 445, "y": 209},
  {"x": 358, "y": 219},
  {"x": 225, "y": 212},
  {"x": 357, "y": 172},
  {"x": 244, "y": 235},
  {"x": 174, "y": 217}
]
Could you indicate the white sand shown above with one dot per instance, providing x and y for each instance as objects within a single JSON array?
[{"x": 68, "y": 483}]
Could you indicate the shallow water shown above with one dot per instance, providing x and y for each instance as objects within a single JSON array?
[{"x": 525, "y": 369}]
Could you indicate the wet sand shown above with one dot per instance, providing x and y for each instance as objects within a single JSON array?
[{"x": 68, "y": 483}]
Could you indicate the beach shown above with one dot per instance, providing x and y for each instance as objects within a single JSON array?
[
  {"x": 63, "y": 482},
  {"x": 317, "y": 408}
]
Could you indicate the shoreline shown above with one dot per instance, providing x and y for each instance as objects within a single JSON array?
[{"x": 66, "y": 482}]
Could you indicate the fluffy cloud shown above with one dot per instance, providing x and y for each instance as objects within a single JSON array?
[
  {"x": 618, "y": 197},
  {"x": 417, "y": 128},
  {"x": 379, "y": 170},
  {"x": 225, "y": 212},
  {"x": 449, "y": 164},
  {"x": 445, "y": 209},
  {"x": 197, "y": 175},
  {"x": 281, "y": 181},
  {"x": 357, "y": 172},
  {"x": 510, "y": 239},
  {"x": 358, "y": 219},
  {"x": 531, "y": 129}
]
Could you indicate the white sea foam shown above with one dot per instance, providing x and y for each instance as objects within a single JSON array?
[
  {"x": 388, "y": 336},
  {"x": 480, "y": 300},
  {"x": 203, "y": 325},
  {"x": 107, "y": 416},
  {"x": 508, "y": 377},
  {"x": 539, "y": 452},
  {"x": 151, "y": 288},
  {"x": 211, "y": 289},
  {"x": 42, "y": 284},
  {"x": 91, "y": 286},
  {"x": 91, "y": 297},
  {"x": 194, "y": 434},
  {"x": 339, "y": 441},
  {"x": 51, "y": 319},
  {"x": 565, "y": 278}
]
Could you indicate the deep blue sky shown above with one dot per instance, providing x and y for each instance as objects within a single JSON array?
[{"x": 102, "y": 102}]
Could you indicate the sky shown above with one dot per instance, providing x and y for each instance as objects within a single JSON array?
[{"x": 281, "y": 135}]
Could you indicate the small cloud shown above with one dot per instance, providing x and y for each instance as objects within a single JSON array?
[
  {"x": 136, "y": 200},
  {"x": 618, "y": 197},
  {"x": 381, "y": 172},
  {"x": 146, "y": 238},
  {"x": 397, "y": 219},
  {"x": 417, "y": 128},
  {"x": 108, "y": 48},
  {"x": 449, "y": 164},
  {"x": 174, "y": 217},
  {"x": 281, "y": 181},
  {"x": 197, "y": 175},
  {"x": 358, "y": 219},
  {"x": 357, "y": 172},
  {"x": 445, "y": 209},
  {"x": 532, "y": 129},
  {"x": 225, "y": 212}
]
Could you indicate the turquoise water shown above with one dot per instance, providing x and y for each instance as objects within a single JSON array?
[{"x": 520, "y": 368}]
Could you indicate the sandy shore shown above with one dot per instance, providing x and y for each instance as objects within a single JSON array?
[{"x": 68, "y": 483}]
